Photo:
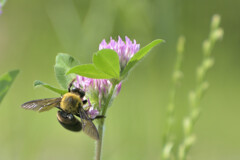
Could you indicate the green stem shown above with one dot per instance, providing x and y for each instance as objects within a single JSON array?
[
  {"x": 168, "y": 137},
  {"x": 201, "y": 86},
  {"x": 101, "y": 125},
  {"x": 99, "y": 142}
]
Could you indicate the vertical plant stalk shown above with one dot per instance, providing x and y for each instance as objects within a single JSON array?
[
  {"x": 101, "y": 122},
  {"x": 168, "y": 141},
  {"x": 195, "y": 96},
  {"x": 99, "y": 142}
]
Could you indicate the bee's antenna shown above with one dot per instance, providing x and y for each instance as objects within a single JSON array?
[{"x": 70, "y": 85}]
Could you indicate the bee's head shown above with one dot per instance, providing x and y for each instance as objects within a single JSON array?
[{"x": 78, "y": 91}]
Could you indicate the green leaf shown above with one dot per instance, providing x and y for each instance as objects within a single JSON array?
[
  {"x": 64, "y": 62},
  {"x": 139, "y": 55},
  {"x": 107, "y": 61},
  {"x": 90, "y": 71},
  {"x": 6, "y": 81},
  {"x": 40, "y": 83}
]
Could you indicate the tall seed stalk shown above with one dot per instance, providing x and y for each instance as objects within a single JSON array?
[
  {"x": 202, "y": 85},
  {"x": 168, "y": 137}
]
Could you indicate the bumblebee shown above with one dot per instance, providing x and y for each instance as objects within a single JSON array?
[{"x": 69, "y": 105}]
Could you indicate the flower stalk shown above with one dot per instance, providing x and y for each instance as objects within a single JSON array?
[
  {"x": 102, "y": 80},
  {"x": 168, "y": 137},
  {"x": 195, "y": 96},
  {"x": 101, "y": 124}
]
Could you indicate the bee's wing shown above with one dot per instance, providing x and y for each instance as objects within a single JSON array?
[
  {"x": 41, "y": 105},
  {"x": 87, "y": 125}
]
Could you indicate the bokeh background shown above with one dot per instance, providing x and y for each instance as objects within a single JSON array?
[{"x": 32, "y": 32}]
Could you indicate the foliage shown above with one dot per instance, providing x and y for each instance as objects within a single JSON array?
[
  {"x": 6, "y": 81},
  {"x": 180, "y": 152},
  {"x": 63, "y": 63},
  {"x": 105, "y": 66}
]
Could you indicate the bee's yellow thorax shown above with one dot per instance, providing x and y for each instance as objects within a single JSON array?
[{"x": 70, "y": 102}]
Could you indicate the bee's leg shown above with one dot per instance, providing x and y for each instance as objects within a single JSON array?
[
  {"x": 84, "y": 101},
  {"x": 82, "y": 93},
  {"x": 58, "y": 107},
  {"x": 79, "y": 113},
  {"x": 98, "y": 117}
]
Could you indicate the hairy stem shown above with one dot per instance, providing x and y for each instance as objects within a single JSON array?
[
  {"x": 99, "y": 142},
  {"x": 101, "y": 125}
]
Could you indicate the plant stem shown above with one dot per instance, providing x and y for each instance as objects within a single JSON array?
[
  {"x": 195, "y": 96},
  {"x": 101, "y": 125},
  {"x": 168, "y": 140},
  {"x": 99, "y": 142}
]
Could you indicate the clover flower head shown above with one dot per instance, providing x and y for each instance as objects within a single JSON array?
[
  {"x": 97, "y": 91},
  {"x": 125, "y": 50},
  {"x": 91, "y": 111}
]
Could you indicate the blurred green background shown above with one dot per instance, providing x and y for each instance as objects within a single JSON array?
[{"x": 32, "y": 32}]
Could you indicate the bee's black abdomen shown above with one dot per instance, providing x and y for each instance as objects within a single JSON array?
[{"x": 68, "y": 121}]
